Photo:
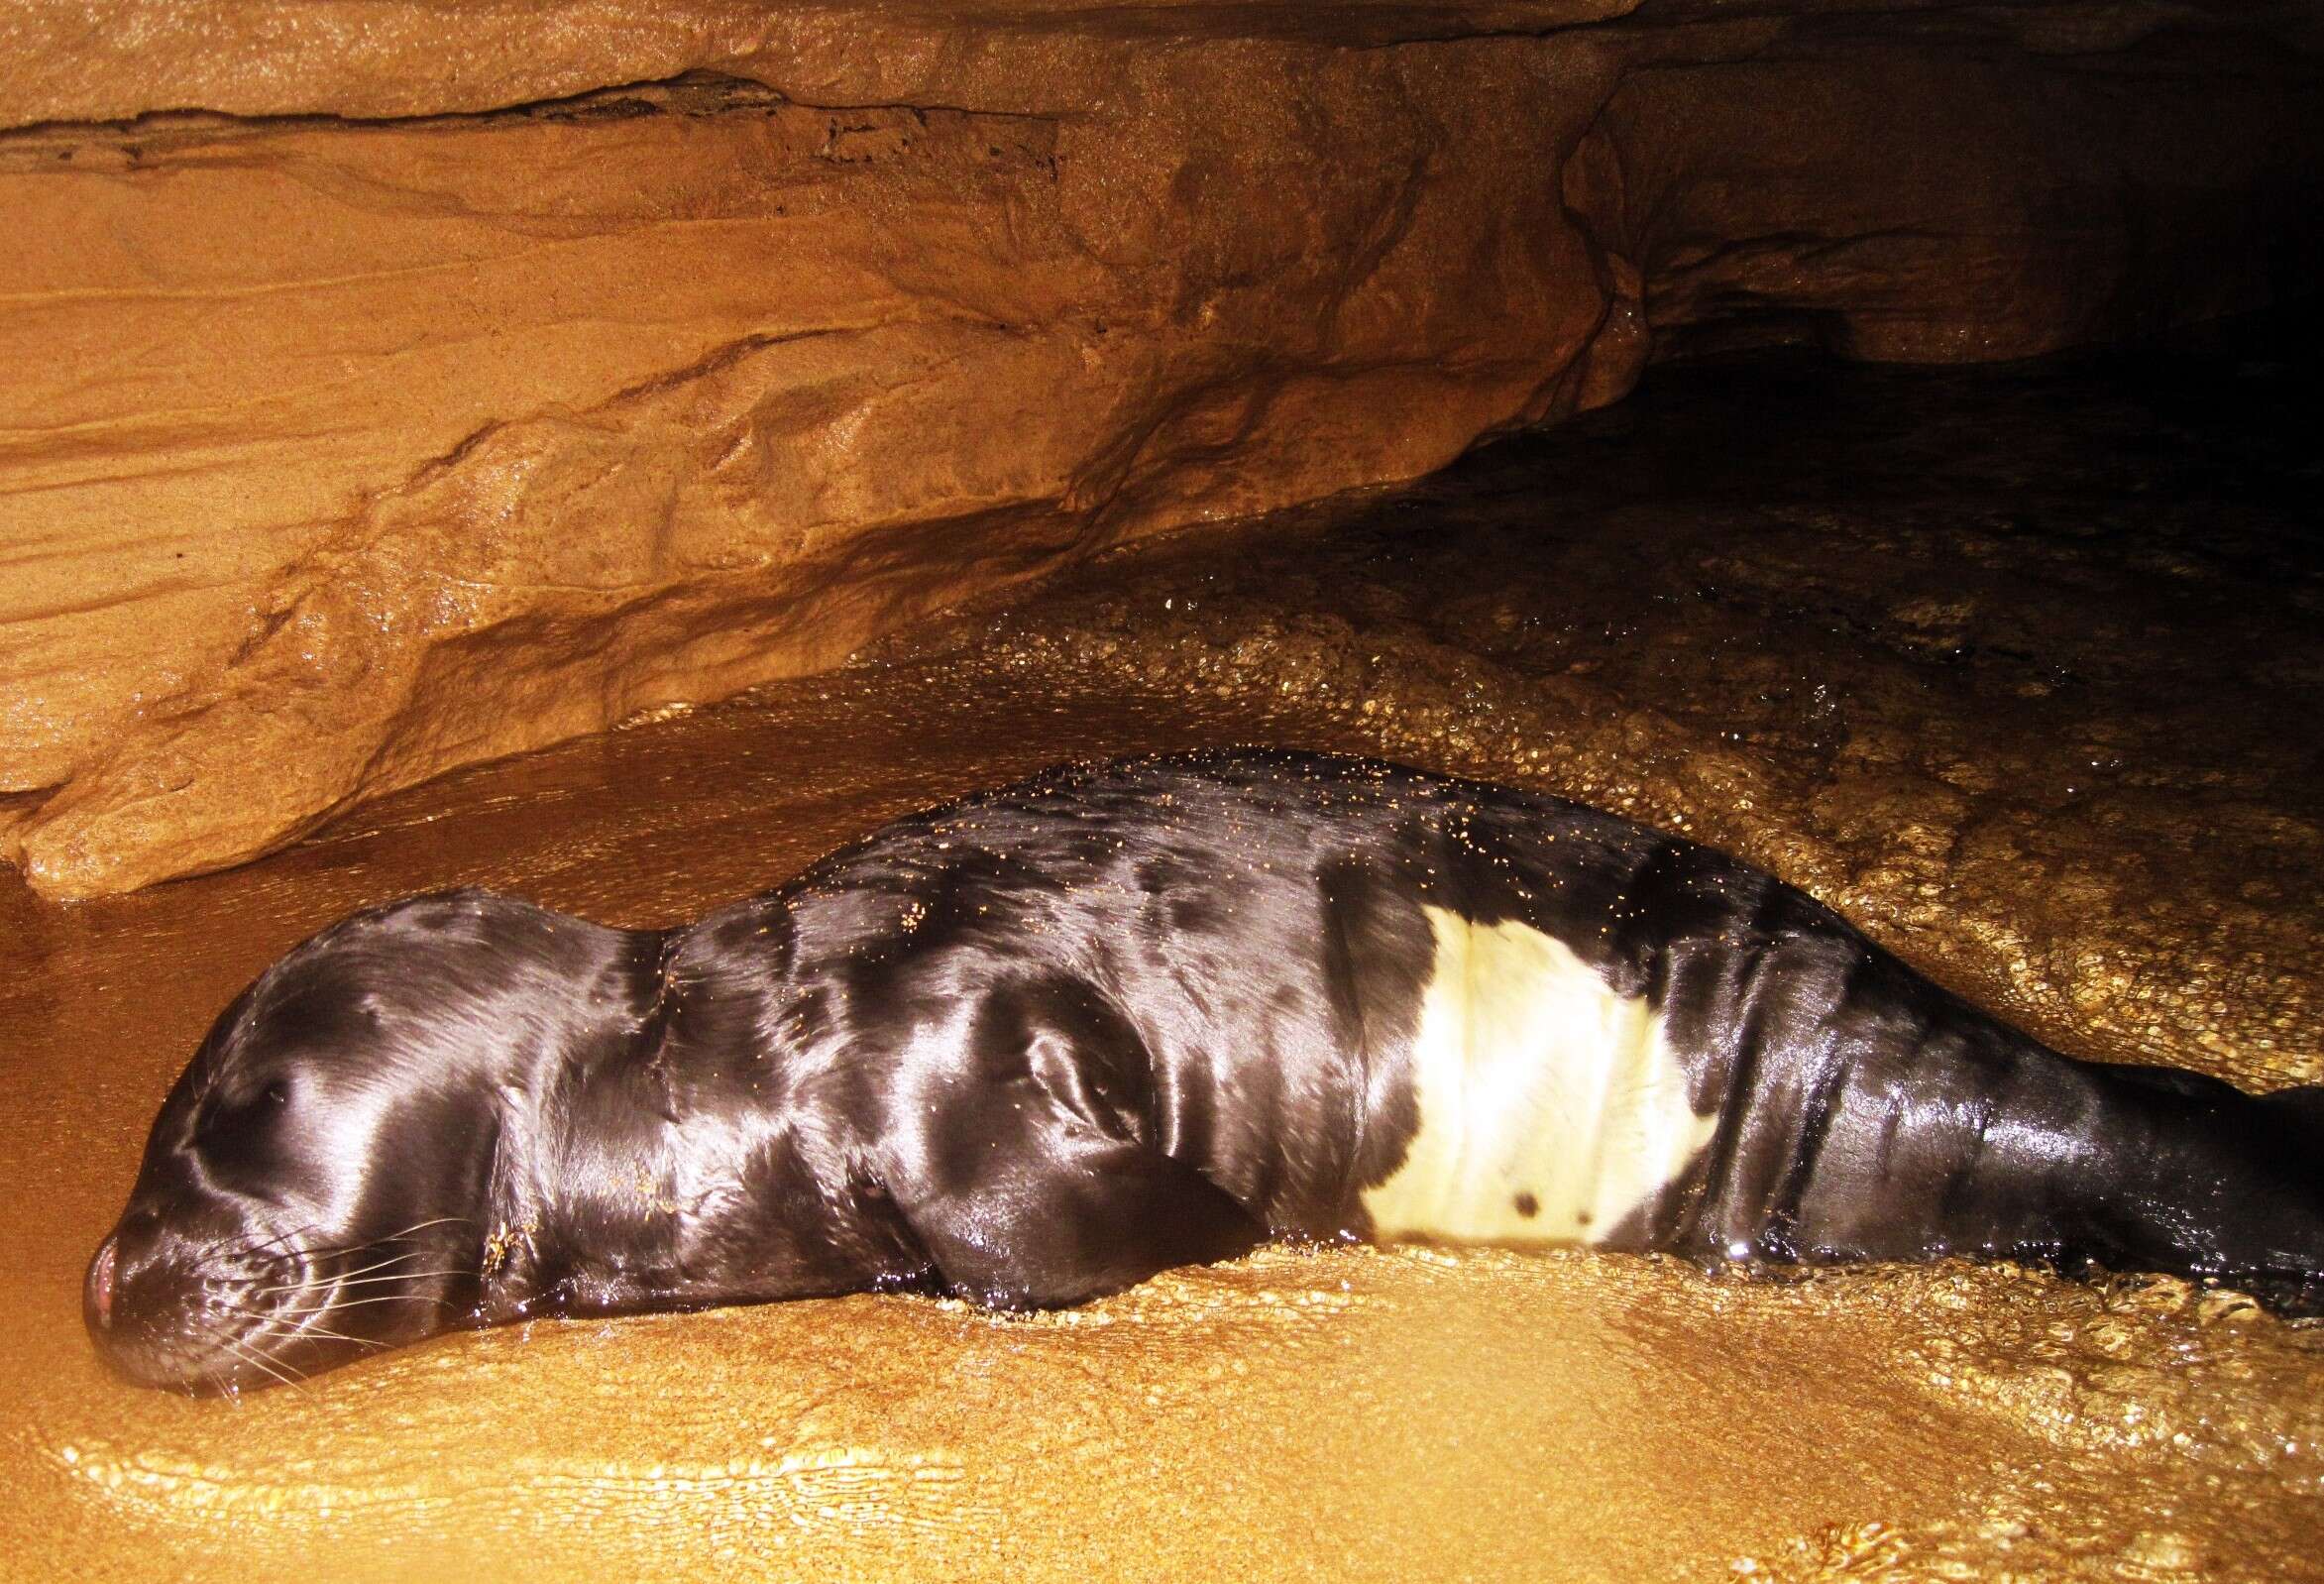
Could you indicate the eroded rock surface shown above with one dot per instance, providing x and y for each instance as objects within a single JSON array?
[{"x": 391, "y": 389}]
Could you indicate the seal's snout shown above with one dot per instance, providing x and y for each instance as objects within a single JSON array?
[
  {"x": 144, "y": 1306},
  {"x": 96, "y": 1303}
]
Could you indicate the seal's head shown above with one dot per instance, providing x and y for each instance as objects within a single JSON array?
[{"x": 317, "y": 1182}]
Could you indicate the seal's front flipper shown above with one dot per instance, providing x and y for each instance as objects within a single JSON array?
[
  {"x": 1068, "y": 1221},
  {"x": 1035, "y": 1179}
]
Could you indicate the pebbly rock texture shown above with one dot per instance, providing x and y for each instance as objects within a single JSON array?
[{"x": 390, "y": 388}]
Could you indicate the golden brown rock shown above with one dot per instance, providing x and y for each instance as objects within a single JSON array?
[{"x": 337, "y": 451}]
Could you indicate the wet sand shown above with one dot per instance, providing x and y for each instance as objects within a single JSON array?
[{"x": 2018, "y": 668}]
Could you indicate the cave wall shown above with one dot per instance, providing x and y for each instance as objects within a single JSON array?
[{"x": 389, "y": 388}]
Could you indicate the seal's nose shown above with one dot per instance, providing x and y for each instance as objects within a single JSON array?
[{"x": 97, "y": 1300}]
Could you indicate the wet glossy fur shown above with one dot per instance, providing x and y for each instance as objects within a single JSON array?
[{"x": 1039, "y": 1043}]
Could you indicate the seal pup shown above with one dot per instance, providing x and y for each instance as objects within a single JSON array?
[{"x": 1041, "y": 1043}]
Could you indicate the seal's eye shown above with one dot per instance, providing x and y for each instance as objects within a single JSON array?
[
  {"x": 240, "y": 1115},
  {"x": 244, "y": 1130}
]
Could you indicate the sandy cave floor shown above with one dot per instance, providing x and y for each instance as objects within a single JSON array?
[{"x": 2019, "y": 668}]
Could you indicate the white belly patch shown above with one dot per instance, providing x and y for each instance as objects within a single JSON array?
[{"x": 1549, "y": 1106}]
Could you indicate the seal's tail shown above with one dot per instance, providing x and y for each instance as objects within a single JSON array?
[
  {"x": 2229, "y": 1183},
  {"x": 2298, "y": 1116},
  {"x": 1978, "y": 1140}
]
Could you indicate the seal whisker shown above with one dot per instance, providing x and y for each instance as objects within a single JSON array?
[
  {"x": 252, "y": 1355},
  {"x": 357, "y": 1302},
  {"x": 230, "y": 1247},
  {"x": 422, "y": 1227},
  {"x": 353, "y": 1278},
  {"x": 373, "y": 1245},
  {"x": 362, "y": 1272},
  {"x": 273, "y": 1325},
  {"x": 255, "y": 1245},
  {"x": 314, "y": 1254},
  {"x": 294, "y": 1334},
  {"x": 394, "y": 1276}
]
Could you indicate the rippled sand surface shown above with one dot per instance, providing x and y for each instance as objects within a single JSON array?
[{"x": 2021, "y": 669}]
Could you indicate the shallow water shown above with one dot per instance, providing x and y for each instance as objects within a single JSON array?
[{"x": 2019, "y": 668}]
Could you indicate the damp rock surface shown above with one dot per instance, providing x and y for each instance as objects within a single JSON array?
[
  {"x": 1646, "y": 609},
  {"x": 393, "y": 385}
]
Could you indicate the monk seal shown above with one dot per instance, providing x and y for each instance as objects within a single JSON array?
[{"x": 1041, "y": 1043}]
